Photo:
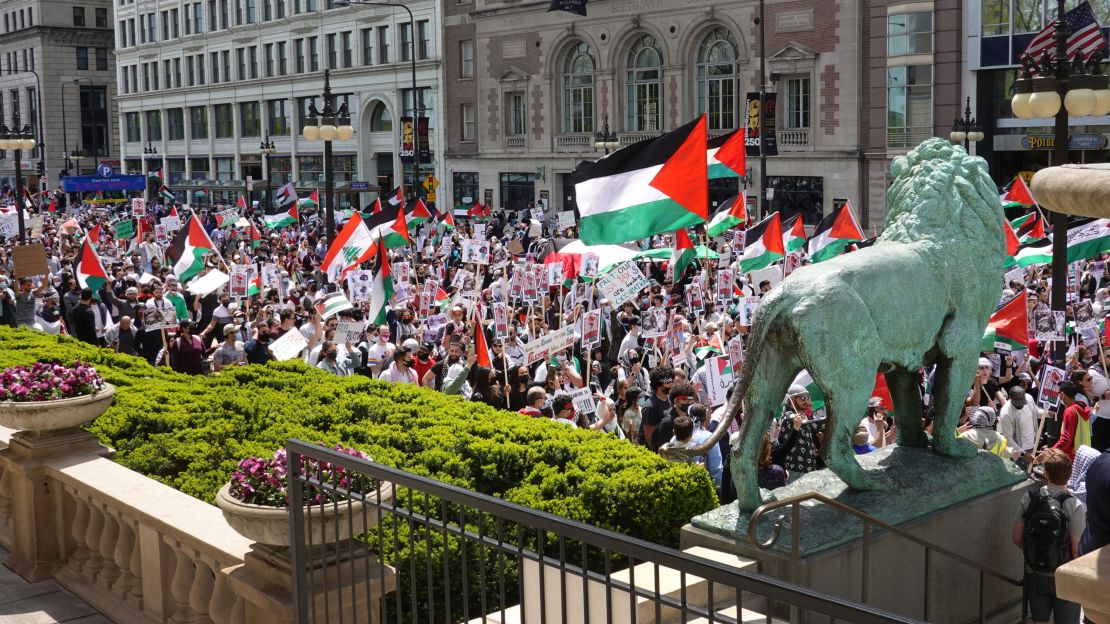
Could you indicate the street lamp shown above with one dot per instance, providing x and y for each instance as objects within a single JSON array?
[
  {"x": 267, "y": 149},
  {"x": 966, "y": 130},
  {"x": 149, "y": 151},
  {"x": 605, "y": 139},
  {"x": 417, "y": 109},
  {"x": 328, "y": 125},
  {"x": 17, "y": 140},
  {"x": 1038, "y": 93}
]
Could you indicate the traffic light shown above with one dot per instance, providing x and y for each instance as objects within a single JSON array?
[{"x": 40, "y": 167}]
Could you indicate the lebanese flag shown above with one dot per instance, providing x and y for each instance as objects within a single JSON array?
[
  {"x": 732, "y": 213},
  {"x": 794, "y": 234},
  {"x": 381, "y": 291},
  {"x": 654, "y": 186},
  {"x": 682, "y": 256},
  {"x": 763, "y": 244},
  {"x": 833, "y": 233},
  {"x": 1008, "y": 327},
  {"x": 353, "y": 246},
  {"x": 187, "y": 250},
  {"x": 1017, "y": 194},
  {"x": 726, "y": 156},
  {"x": 88, "y": 269}
]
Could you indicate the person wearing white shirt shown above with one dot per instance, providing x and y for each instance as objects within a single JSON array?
[
  {"x": 401, "y": 371},
  {"x": 1017, "y": 421},
  {"x": 380, "y": 351}
]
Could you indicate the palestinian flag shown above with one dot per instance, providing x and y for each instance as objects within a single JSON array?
[
  {"x": 53, "y": 207},
  {"x": 256, "y": 237},
  {"x": 730, "y": 214},
  {"x": 1029, "y": 227},
  {"x": 1012, "y": 246},
  {"x": 69, "y": 227},
  {"x": 255, "y": 287},
  {"x": 27, "y": 198},
  {"x": 726, "y": 155},
  {"x": 280, "y": 217},
  {"x": 654, "y": 186},
  {"x": 835, "y": 231},
  {"x": 286, "y": 197},
  {"x": 443, "y": 300},
  {"x": 1008, "y": 327},
  {"x": 762, "y": 244},
  {"x": 333, "y": 305},
  {"x": 313, "y": 200},
  {"x": 94, "y": 234},
  {"x": 88, "y": 269},
  {"x": 1086, "y": 239},
  {"x": 448, "y": 220},
  {"x": 394, "y": 231},
  {"x": 682, "y": 256},
  {"x": 375, "y": 208},
  {"x": 396, "y": 198},
  {"x": 352, "y": 246},
  {"x": 418, "y": 213},
  {"x": 167, "y": 195},
  {"x": 381, "y": 291},
  {"x": 187, "y": 250},
  {"x": 173, "y": 211},
  {"x": 241, "y": 203},
  {"x": 816, "y": 397},
  {"x": 794, "y": 234},
  {"x": 1017, "y": 194}
]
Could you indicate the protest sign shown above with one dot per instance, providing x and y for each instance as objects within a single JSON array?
[
  {"x": 736, "y": 354},
  {"x": 724, "y": 285},
  {"x": 747, "y": 313},
  {"x": 539, "y": 273},
  {"x": 501, "y": 320},
  {"x": 288, "y": 346},
  {"x": 694, "y": 297},
  {"x": 654, "y": 323},
  {"x": 591, "y": 328},
  {"x": 566, "y": 219},
  {"x": 1050, "y": 386},
  {"x": 718, "y": 379},
  {"x": 1015, "y": 275},
  {"x": 123, "y": 229},
  {"x": 138, "y": 207},
  {"x": 29, "y": 260},
  {"x": 36, "y": 226},
  {"x": 537, "y": 214},
  {"x": 241, "y": 276},
  {"x": 227, "y": 218},
  {"x": 555, "y": 275},
  {"x": 516, "y": 284},
  {"x": 543, "y": 345},
  {"x": 160, "y": 318},
  {"x": 1084, "y": 315},
  {"x": 172, "y": 224},
  {"x": 146, "y": 278},
  {"x": 475, "y": 251},
  {"x": 588, "y": 268},
  {"x": 583, "y": 400},
  {"x": 530, "y": 287},
  {"x": 9, "y": 226},
  {"x": 1049, "y": 325},
  {"x": 350, "y": 331},
  {"x": 161, "y": 234},
  {"x": 271, "y": 275},
  {"x": 480, "y": 231},
  {"x": 208, "y": 282},
  {"x": 359, "y": 284},
  {"x": 622, "y": 283}
]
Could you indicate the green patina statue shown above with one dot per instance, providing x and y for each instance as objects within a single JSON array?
[{"x": 921, "y": 295}]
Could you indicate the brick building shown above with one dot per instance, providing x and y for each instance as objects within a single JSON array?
[{"x": 69, "y": 45}]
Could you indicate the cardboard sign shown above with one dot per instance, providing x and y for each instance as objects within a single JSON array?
[
  {"x": 172, "y": 224},
  {"x": 515, "y": 247},
  {"x": 718, "y": 379},
  {"x": 566, "y": 219},
  {"x": 542, "y": 346},
  {"x": 622, "y": 283},
  {"x": 208, "y": 283},
  {"x": 160, "y": 318},
  {"x": 583, "y": 400},
  {"x": 288, "y": 346},
  {"x": 350, "y": 331},
  {"x": 29, "y": 260}
]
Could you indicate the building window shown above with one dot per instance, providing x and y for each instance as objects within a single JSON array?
[
  {"x": 426, "y": 102},
  {"x": 515, "y": 114},
  {"x": 225, "y": 56},
  {"x": 175, "y": 124},
  {"x": 313, "y": 54},
  {"x": 383, "y": 44},
  {"x": 101, "y": 18},
  {"x": 797, "y": 103},
  {"x": 102, "y": 59},
  {"x": 200, "y": 69},
  {"x": 188, "y": 18},
  {"x": 380, "y": 119},
  {"x": 578, "y": 90},
  {"x": 215, "y": 56},
  {"x": 82, "y": 58},
  {"x": 174, "y": 22},
  {"x": 94, "y": 120},
  {"x": 333, "y": 55},
  {"x": 199, "y": 167},
  {"x": 154, "y": 125},
  {"x": 996, "y": 17},
  {"x": 223, "y": 14},
  {"x": 198, "y": 18},
  {"x": 367, "y": 46},
  {"x": 909, "y": 105},
  {"x": 268, "y": 53},
  {"x": 464, "y": 188},
  {"x": 198, "y": 122},
  {"x": 466, "y": 58},
  {"x": 909, "y": 33},
  {"x": 406, "y": 42},
  {"x": 78, "y": 16},
  {"x": 467, "y": 111},
  {"x": 224, "y": 125},
  {"x": 644, "y": 86},
  {"x": 423, "y": 40},
  {"x": 225, "y": 169},
  {"x": 345, "y": 41},
  {"x": 518, "y": 191},
  {"x": 252, "y": 11},
  {"x": 303, "y": 104},
  {"x": 241, "y": 57},
  {"x": 134, "y": 133},
  {"x": 278, "y": 118},
  {"x": 252, "y": 56},
  {"x": 298, "y": 60},
  {"x": 250, "y": 122},
  {"x": 717, "y": 74}
]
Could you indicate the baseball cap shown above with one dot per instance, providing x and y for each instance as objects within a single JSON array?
[
  {"x": 1017, "y": 396},
  {"x": 132, "y": 291},
  {"x": 230, "y": 329},
  {"x": 410, "y": 345}
]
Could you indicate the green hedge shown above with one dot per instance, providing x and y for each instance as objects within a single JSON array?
[{"x": 189, "y": 432}]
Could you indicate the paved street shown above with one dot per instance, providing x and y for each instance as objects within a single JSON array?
[{"x": 44, "y": 602}]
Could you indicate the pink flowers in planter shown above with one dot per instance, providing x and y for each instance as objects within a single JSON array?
[
  {"x": 260, "y": 481},
  {"x": 46, "y": 381}
]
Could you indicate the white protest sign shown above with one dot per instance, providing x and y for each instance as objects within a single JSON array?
[
  {"x": 501, "y": 319},
  {"x": 554, "y": 273},
  {"x": 161, "y": 234},
  {"x": 359, "y": 285},
  {"x": 591, "y": 328},
  {"x": 622, "y": 283},
  {"x": 566, "y": 219},
  {"x": 288, "y": 346},
  {"x": 583, "y": 400},
  {"x": 718, "y": 379},
  {"x": 208, "y": 282},
  {"x": 654, "y": 323},
  {"x": 172, "y": 224},
  {"x": 350, "y": 331},
  {"x": 480, "y": 231},
  {"x": 540, "y": 347},
  {"x": 402, "y": 271},
  {"x": 138, "y": 207},
  {"x": 9, "y": 226},
  {"x": 589, "y": 266},
  {"x": 241, "y": 277}
]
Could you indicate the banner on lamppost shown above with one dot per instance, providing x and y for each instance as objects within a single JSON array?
[
  {"x": 408, "y": 140},
  {"x": 753, "y": 138}
]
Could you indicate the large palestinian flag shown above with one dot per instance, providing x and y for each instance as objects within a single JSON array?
[
  {"x": 381, "y": 291},
  {"x": 417, "y": 213},
  {"x": 393, "y": 230},
  {"x": 187, "y": 250},
  {"x": 1086, "y": 239},
  {"x": 352, "y": 246},
  {"x": 88, "y": 270},
  {"x": 762, "y": 244},
  {"x": 732, "y": 213},
  {"x": 682, "y": 255},
  {"x": 281, "y": 216},
  {"x": 1008, "y": 327},
  {"x": 650, "y": 187},
  {"x": 726, "y": 155},
  {"x": 833, "y": 233}
]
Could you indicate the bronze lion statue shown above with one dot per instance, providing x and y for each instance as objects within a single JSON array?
[{"x": 921, "y": 295}]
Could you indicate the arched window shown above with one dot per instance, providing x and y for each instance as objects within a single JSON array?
[
  {"x": 644, "y": 88},
  {"x": 578, "y": 90},
  {"x": 717, "y": 78},
  {"x": 380, "y": 120}
]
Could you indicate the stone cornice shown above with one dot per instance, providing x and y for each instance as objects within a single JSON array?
[{"x": 102, "y": 37}]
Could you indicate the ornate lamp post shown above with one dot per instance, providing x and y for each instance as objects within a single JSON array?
[
  {"x": 1082, "y": 89},
  {"x": 966, "y": 130},
  {"x": 18, "y": 139},
  {"x": 606, "y": 139},
  {"x": 149, "y": 151},
  {"x": 267, "y": 149},
  {"x": 328, "y": 125}
]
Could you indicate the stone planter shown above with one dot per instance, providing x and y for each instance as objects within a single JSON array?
[
  {"x": 40, "y": 416},
  {"x": 270, "y": 525}
]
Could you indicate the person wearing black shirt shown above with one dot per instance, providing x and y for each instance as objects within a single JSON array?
[
  {"x": 83, "y": 319},
  {"x": 662, "y": 377},
  {"x": 681, "y": 396}
]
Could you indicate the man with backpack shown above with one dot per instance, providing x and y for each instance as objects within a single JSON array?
[{"x": 1047, "y": 529}]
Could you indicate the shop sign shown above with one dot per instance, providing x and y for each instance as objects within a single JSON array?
[{"x": 1075, "y": 141}]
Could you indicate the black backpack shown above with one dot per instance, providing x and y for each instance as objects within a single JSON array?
[{"x": 1046, "y": 541}]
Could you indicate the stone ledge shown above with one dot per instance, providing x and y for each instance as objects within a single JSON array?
[
  {"x": 1073, "y": 189},
  {"x": 1086, "y": 580}
]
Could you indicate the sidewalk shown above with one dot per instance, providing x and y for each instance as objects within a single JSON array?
[{"x": 44, "y": 602}]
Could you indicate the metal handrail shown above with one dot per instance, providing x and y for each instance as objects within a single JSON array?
[
  {"x": 773, "y": 589},
  {"x": 795, "y": 502}
]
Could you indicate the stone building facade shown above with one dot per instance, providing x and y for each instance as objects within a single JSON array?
[{"x": 57, "y": 68}]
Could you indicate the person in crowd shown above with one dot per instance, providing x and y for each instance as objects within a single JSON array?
[
  {"x": 84, "y": 319},
  {"x": 1017, "y": 422},
  {"x": 535, "y": 397},
  {"x": 401, "y": 369},
  {"x": 562, "y": 410},
  {"x": 658, "y": 404},
  {"x": 230, "y": 352},
  {"x": 1075, "y": 430},
  {"x": 799, "y": 438}
]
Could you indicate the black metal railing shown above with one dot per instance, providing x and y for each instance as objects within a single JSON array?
[{"x": 376, "y": 544}]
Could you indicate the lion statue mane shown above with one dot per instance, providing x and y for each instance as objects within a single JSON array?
[{"x": 921, "y": 295}]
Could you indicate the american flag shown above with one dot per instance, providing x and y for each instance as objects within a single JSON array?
[{"x": 1084, "y": 35}]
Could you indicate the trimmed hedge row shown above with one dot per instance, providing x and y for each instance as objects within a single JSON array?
[{"x": 189, "y": 432}]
